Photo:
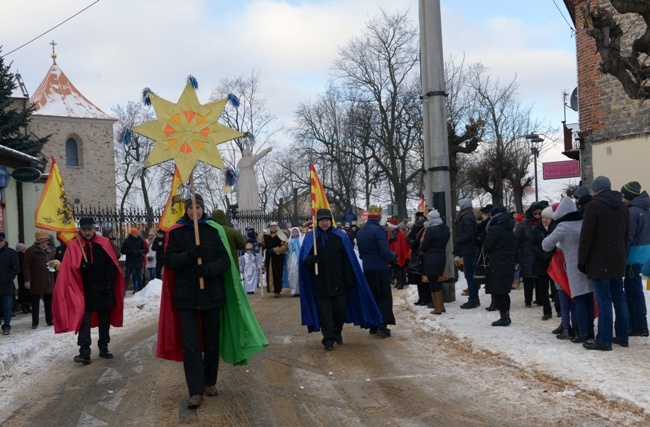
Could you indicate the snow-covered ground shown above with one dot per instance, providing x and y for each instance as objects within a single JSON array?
[{"x": 620, "y": 373}]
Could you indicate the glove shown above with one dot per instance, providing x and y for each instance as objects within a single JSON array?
[
  {"x": 28, "y": 285},
  {"x": 311, "y": 260},
  {"x": 200, "y": 271},
  {"x": 160, "y": 243},
  {"x": 197, "y": 251},
  {"x": 582, "y": 268}
]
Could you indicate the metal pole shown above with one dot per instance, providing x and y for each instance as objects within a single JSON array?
[{"x": 536, "y": 191}]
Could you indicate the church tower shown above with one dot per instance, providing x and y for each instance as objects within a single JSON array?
[{"x": 81, "y": 141}]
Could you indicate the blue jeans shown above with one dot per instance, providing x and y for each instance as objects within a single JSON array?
[
  {"x": 7, "y": 309},
  {"x": 584, "y": 305},
  {"x": 136, "y": 274},
  {"x": 152, "y": 273},
  {"x": 635, "y": 298},
  {"x": 608, "y": 292},
  {"x": 568, "y": 310},
  {"x": 469, "y": 263}
]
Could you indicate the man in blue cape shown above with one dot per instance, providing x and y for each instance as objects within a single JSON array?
[{"x": 333, "y": 289}]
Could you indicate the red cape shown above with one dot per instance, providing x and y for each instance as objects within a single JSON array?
[
  {"x": 401, "y": 247},
  {"x": 557, "y": 272},
  {"x": 68, "y": 302}
]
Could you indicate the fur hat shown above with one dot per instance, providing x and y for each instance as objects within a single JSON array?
[
  {"x": 631, "y": 190},
  {"x": 323, "y": 214},
  {"x": 42, "y": 236},
  {"x": 374, "y": 211},
  {"x": 199, "y": 201},
  {"x": 87, "y": 222},
  {"x": 601, "y": 183}
]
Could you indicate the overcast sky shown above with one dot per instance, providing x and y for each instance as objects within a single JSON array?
[{"x": 116, "y": 48}]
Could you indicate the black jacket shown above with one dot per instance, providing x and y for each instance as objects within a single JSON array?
[
  {"x": 499, "y": 246},
  {"x": 542, "y": 258},
  {"x": 335, "y": 275},
  {"x": 158, "y": 246},
  {"x": 133, "y": 248},
  {"x": 8, "y": 269},
  {"x": 97, "y": 277},
  {"x": 465, "y": 233},
  {"x": 434, "y": 250},
  {"x": 187, "y": 292}
]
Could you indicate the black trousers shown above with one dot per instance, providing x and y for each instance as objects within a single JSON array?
[
  {"x": 542, "y": 285},
  {"x": 201, "y": 365},
  {"x": 83, "y": 339},
  {"x": 159, "y": 267},
  {"x": 36, "y": 304},
  {"x": 502, "y": 302},
  {"x": 331, "y": 311},
  {"x": 379, "y": 284}
]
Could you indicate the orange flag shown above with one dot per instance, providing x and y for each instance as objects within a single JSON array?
[
  {"x": 53, "y": 211},
  {"x": 318, "y": 197},
  {"x": 174, "y": 208}
]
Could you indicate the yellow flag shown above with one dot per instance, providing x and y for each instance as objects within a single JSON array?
[
  {"x": 174, "y": 208},
  {"x": 318, "y": 197},
  {"x": 53, "y": 211}
]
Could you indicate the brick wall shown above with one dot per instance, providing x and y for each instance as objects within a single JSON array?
[
  {"x": 606, "y": 112},
  {"x": 93, "y": 181}
]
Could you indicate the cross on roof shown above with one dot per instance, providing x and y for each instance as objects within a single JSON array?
[{"x": 53, "y": 44}]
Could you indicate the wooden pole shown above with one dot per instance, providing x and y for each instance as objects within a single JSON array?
[
  {"x": 314, "y": 225},
  {"x": 197, "y": 238}
]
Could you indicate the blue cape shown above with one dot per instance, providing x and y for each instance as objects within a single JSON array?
[{"x": 361, "y": 310}]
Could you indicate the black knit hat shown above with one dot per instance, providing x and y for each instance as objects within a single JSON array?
[
  {"x": 87, "y": 222},
  {"x": 631, "y": 190},
  {"x": 486, "y": 209},
  {"x": 199, "y": 201},
  {"x": 323, "y": 214}
]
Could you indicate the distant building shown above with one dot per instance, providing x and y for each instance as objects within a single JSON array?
[
  {"x": 81, "y": 141},
  {"x": 613, "y": 135}
]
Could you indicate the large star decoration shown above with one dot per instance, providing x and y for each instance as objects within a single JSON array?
[{"x": 186, "y": 132}]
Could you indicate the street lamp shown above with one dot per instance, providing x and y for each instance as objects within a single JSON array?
[{"x": 535, "y": 144}]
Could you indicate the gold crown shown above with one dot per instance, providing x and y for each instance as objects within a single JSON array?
[{"x": 374, "y": 210}]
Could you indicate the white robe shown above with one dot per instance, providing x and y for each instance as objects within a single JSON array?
[{"x": 249, "y": 265}]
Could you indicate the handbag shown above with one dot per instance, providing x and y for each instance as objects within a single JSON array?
[
  {"x": 415, "y": 265},
  {"x": 480, "y": 270}
]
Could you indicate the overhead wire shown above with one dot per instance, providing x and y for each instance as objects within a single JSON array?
[{"x": 56, "y": 26}]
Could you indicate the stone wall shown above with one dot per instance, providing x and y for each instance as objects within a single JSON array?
[{"x": 93, "y": 181}]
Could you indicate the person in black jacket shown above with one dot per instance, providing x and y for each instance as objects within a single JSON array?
[
  {"x": 524, "y": 250},
  {"x": 499, "y": 245},
  {"x": 542, "y": 261},
  {"x": 434, "y": 257},
  {"x": 413, "y": 239},
  {"x": 465, "y": 248},
  {"x": 333, "y": 281},
  {"x": 159, "y": 248},
  {"x": 198, "y": 309},
  {"x": 8, "y": 272},
  {"x": 134, "y": 248}
]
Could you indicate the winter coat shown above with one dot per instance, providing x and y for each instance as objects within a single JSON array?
[
  {"x": 133, "y": 248},
  {"x": 373, "y": 246},
  {"x": 603, "y": 236},
  {"x": 542, "y": 257},
  {"x": 434, "y": 250},
  {"x": 236, "y": 240},
  {"x": 335, "y": 275},
  {"x": 158, "y": 245},
  {"x": 499, "y": 246},
  {"x": 8, "y": 269},
  {"x": 98, "y": 278},
  {"x": 639, "y": 237},
  {"x": 466, "y": 225},
  {"x": 35, "y": 270},
  {"x": 566, "y": 236},
  {"x": 216, "y": 262}
]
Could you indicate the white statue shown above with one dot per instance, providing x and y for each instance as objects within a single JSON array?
[{"x": 248, "y": 197}]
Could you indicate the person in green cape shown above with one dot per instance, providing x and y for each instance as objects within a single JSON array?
[{"x": 198, "y": 324}]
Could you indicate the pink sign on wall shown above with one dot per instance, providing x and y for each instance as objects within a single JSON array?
[{"x": 557, "y": 170}]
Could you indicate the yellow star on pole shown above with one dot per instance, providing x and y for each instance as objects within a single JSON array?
[{"x": 186, "y": 132}]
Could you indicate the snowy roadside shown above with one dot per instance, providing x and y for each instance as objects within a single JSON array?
[
  {"x": 528, "y": 341},
  {"x": 28, "y": 354}
]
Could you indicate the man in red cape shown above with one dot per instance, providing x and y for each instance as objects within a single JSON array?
[{"x": 89, "y": 291}]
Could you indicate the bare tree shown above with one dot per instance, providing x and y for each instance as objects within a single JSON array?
[
  {"x": 380, "y": 68},
  {"x": 631, "y": 68}
]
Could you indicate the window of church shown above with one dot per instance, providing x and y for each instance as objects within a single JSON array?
[{"x": 71, "y": 152}]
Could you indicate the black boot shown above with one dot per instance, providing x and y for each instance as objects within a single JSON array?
[
  {"x": 471, "y": 303},
  {"x": 504, "y": 320},
  {"x": 492, "y": 307}
]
